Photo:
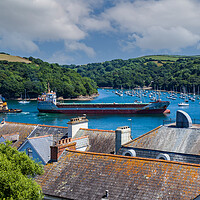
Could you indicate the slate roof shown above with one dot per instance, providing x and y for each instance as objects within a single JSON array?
[
  {"x": 47, "y": 129},
  {"x": 86, "y": 175},
  {"x": 11, "y": 137},
  {"x": 25, "y": 130},
  {"x": 101, "y": 141},
  {"x": 171, "y": 139},
  {"x": 58, "y": 132},
  {"x": 22, "y": 129},
  {"x": 42, "y": 146}
]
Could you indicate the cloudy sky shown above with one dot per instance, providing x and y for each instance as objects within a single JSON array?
[{"x": 87, "y": 31}]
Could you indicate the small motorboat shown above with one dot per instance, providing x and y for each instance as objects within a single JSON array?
[
  {"x": 183, "y": 104},
  {"x": 4, "y": 107}
]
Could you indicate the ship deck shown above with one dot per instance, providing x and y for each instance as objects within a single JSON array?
[{"x": 59, "y": 103}]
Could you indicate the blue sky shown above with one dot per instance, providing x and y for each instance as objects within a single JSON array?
[{"x": 87, "y": 31}]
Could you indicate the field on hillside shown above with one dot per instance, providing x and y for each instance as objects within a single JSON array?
[
  {"x": 164, "y": 58},
  {"x": 10, "y": 58}
]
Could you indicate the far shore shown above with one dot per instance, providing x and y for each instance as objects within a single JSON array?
[{"x": 80, "y": 98}]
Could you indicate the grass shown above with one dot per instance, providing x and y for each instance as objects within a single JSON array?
[
  {"x": 11, "y": 58},
  {"x": 164, "y": 57}
]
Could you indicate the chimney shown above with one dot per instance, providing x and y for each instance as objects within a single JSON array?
[
  {"x": 122, "y": 136},
  {"x": 59, "y": 147},
  {"x": 75, "y": 124}
]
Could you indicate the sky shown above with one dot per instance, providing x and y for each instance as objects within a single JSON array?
[{"x": 89, "y": 31}]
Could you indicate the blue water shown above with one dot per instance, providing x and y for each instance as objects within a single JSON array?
[{"x": 140, "y": 123}]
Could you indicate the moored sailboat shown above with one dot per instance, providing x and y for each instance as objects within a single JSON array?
[{"x": 24, "y": 101}]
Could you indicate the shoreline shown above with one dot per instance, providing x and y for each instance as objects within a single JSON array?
[{"x": 80, "y": 98}]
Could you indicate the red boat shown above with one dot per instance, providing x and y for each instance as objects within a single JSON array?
[{"x": 47, "y": 104}]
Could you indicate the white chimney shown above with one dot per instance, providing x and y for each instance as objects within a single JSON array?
[
  {"x": 75, "y": 124},
  {"x": 122, "y": 136}
]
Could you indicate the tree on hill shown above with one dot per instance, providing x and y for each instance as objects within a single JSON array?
[
  {"x": 163, "y": 72},
  {"x": 16, "y": 175},
  {"x": 15, "y": 77}
]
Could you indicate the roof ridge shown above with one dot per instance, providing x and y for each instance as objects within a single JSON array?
[
  {"x": 42, "y": 136},
  {"x": 34, "y": 124},
  {"x": 97, "y": 130},
  {"x": 79, "y": 138},
  {"x": 134, "y": 158},
  {"x": 143, "y": 135},
  {"x": 52, "y": 126},
  {"x": 20, "y": 123},
  {"x": 10, "y": 134}
]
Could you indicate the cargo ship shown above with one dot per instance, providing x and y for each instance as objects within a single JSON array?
[
  {"x": 4, "y": 107},
  {"x": 47, "y": 103}
]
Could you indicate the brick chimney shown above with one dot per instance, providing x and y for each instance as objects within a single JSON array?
[
  {"x": 60, "y": 146},
  {"x": 75, "y": 124}
]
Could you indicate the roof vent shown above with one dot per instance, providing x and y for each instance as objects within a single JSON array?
[
  {"x": 183, "y": 120},
  {"x": 105, "y": 197},
  {"x": 163, "y": 156},
  {"x": 130, "y": 152}
]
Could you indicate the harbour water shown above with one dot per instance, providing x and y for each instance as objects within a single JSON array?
[{"x": 140, "y": 124}]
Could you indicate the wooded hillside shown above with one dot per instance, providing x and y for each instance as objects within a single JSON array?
[
  {"x": 160, "y": 72},
  {"x": 15, "y": 77}
]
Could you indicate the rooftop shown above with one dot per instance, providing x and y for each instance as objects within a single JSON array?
[
  {"x": 25, "y": 130},
  {"x": 86, "y": 175},
  {"x": 101, "y": 141},
  {"x": 170, "y": 138},
  {"x": 22, "y": 129}
]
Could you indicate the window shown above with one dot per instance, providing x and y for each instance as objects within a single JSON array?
[{"x": 29, "y": 152}]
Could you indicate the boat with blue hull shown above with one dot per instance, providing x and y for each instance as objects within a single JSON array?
[{"x": 47, "y": 103}]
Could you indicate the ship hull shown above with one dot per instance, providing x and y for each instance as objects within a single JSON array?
[
  {"x": 104, "y": 108},
  {"x": 11, "y": 111},
  {"x": 106, "y": 112}
]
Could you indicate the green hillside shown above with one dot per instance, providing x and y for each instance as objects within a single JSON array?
[
  {"x": 34, "y": 76},
  {"x": 158, "y": 71}
]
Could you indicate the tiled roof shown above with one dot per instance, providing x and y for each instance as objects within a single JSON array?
[
  {"x": 171, "y": 139},
  {"x": 101, "y": 141},
  {"x": 86, "y": 175}
]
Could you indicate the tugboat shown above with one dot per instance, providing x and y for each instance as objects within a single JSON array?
[{"x": 4, "y": 107}]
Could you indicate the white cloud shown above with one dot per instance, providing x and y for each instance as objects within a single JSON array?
[
  {"x": 173, "y": 39},
  {"x": 163, "y": 24},
  {"x": 154, "y": 24},
  {"x": 78, "y": 46},
  {"x": 46, "y": 20},
  {"x": 18, "y": 41},
  {"x": 93, "y": 24},
  {"x": 60, "y": 57}
]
